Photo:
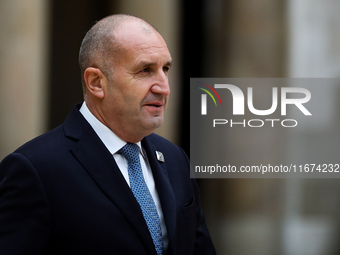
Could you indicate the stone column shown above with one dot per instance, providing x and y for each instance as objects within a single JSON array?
[
  {"x": 23, "y": 71},
  {"x": 311, "y": 224}
]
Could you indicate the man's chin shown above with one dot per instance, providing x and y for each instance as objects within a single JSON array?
[{"x": 154, "y": 122}]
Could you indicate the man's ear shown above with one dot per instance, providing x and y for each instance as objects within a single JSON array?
[{"x": 95, "y": 81}]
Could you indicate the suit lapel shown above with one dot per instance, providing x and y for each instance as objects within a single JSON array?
[
  {"x": 164, "y": 189},
  {"x": 100, "y": 165}
]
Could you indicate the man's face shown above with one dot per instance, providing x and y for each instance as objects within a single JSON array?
[{"x": 137, "y": 95}]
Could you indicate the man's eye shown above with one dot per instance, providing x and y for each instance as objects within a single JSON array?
[
  {"x": 166, "y": 69},
  {"x": 145, "y": 70}
]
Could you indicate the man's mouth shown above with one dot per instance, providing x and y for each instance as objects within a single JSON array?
[{"x": 155, "y": 104}]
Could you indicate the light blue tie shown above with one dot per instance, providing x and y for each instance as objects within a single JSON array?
[{"x": 143, "y": 195}]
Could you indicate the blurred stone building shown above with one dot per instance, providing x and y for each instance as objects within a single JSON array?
[{"x": 39, "y": 84}]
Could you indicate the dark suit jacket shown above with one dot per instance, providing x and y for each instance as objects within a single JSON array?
[{"x": 62, "y": 193}]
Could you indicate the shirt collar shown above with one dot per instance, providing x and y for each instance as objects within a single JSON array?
[{"x": 112, "y": 142}]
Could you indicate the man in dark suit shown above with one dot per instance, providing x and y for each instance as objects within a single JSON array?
[{"x": 78, "y": 190}]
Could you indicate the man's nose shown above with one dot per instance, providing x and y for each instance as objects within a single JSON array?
[{"x": 161, "y": 84}]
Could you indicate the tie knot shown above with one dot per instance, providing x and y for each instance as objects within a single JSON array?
[{"x": 130, "y": 152}]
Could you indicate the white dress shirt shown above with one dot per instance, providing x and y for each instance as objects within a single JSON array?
[{"x": 113, "y": 143}]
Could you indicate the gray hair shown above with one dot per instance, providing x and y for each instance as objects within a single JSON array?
[{"x": 100, "y": 48}]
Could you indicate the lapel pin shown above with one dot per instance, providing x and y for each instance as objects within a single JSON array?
[{"x": 159, "y": 156}]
